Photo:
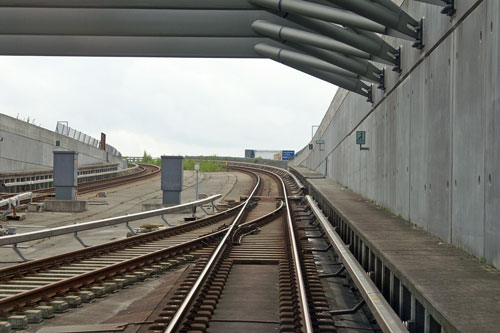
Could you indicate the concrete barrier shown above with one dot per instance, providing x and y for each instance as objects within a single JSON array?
[{"x": 66, "y": 206}]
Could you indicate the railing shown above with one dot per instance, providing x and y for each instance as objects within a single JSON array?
[
  {"x": 41, "y": 234},
  {"x": 15, "y": 200},
  {"x": 65, "y": 130}
]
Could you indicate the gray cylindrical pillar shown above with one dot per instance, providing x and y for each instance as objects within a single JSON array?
[
  {"x": 172, "y": 176},
  {"x": 65, "y": 174}
]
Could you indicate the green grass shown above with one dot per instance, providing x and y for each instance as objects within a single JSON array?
[{"x": 206, "y": 165}]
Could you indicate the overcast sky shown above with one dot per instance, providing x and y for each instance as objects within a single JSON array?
[{"x": 168, "y": 106}]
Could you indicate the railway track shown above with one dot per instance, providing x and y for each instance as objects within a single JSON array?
[
  {"x": 145, "y": 171},
  {"x": 78, "y": 273},
  {"x": 256, "y": 280},
  {"x": 251, "y": 252}
]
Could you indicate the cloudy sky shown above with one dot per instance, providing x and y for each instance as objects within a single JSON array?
[{"x": 166, "y": 105}]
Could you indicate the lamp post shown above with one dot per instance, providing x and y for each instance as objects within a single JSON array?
[
  {"x": 197, "y": 169},
  {"x": 312, "y": 130}
]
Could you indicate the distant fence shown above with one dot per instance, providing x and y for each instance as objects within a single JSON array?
[
  {"x": 65, "y": 130},
  {"x": 134, "y": 158}
]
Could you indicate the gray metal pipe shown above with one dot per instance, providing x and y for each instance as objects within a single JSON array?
[
  {"x": 124, "y": 4},
  {"x": 359, "y": 66},
  {"x": 281, "y": 32},
  {"x": 131, "y": 22},
  {"x": 105, "y": 46},
  {"x": 382, "y": 12},
  {"x": 325, "y": 13},
  {"x": 380, "y": 50},
  {"x": 301, "y": 59},
  {"x": 351, "y": 84}
]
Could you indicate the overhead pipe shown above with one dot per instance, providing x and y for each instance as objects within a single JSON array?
[
  {"x": 295, "y": 35},
  {"x": 380, "y": 50},
  {"x": 321, "y": 12},
  {"x": 301, "y": 40},
  {"x": 368, "y": 34},
  {"x": 131, "y": 22},
  {"x": 351, "y": 84},
  {"x": 359, "y": 66},
  {"x": 131, "y": 4},
  {"x": 301, "y": 59},
  {"x": 384, "y": 12}
]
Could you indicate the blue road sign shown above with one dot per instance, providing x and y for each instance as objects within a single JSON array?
[{"x": 287, "y": 155}]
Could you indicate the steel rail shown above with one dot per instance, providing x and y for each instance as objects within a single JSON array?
[
  {"x": 147, "y": 170},
  {"x": 386, "y": 318},
  {"x": 31, "y": 296},
  {"x": 31, "y": 266},
  {"x": 92, "y": 185},
  {"x": 74, "y": 282},
  {"x": 264, "y": 167},
  {"x": 306, "y": 317},
  {"x": 176, "y": 319},
  {"x": 104, "y": 183},
  {"x": 35, "y": 235},
  {"x": 87, "y": 175}
]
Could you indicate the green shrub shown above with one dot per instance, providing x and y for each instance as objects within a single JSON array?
[
  {"x": 148, "y": 159},
  {"x": 206, "y": 165},
  {"x": 209, "y": 164}
]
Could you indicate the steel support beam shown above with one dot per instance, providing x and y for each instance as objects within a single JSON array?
[{"x": 351, "y": 84}]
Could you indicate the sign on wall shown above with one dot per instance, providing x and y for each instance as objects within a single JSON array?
[
  {"x": 287, "y": 155},
  {"x": 360, "y": 137}
]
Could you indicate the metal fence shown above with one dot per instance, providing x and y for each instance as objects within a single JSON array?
[{"x": 63, "y": 129}]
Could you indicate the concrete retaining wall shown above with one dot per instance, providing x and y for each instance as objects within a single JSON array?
[
  {"x": 29, "y": 147},
  {"x": 434, "y": 135}
]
